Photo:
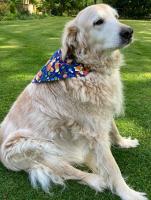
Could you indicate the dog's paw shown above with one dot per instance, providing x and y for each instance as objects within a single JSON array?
[
  {"x": 128, "y": 143},
  {"x": 134, "y": 195}
]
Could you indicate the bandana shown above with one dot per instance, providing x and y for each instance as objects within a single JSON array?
[{"x": 58, "y": 69}]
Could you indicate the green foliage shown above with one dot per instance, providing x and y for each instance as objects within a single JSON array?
[
  {"x": 127, "y": 8},
  {"x": 4, "y": 9},
  {"x": 13, "y": 8},
  {"x": 60, "y": 7},
  {"x": 56, "y": 10},
  {"x": 132, "y": 9}
]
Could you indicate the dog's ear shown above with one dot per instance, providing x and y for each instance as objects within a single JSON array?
[{"x": 69, "y": 38}]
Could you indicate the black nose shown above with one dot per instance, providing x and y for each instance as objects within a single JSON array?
[{"x": 126, "y": 33}]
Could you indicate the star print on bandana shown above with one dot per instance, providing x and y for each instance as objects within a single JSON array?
[{"x": 58, "y": 69}]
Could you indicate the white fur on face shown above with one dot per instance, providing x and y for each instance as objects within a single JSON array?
[{"x": 104, "y": 36}]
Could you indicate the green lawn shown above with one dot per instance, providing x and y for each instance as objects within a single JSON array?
[{"x": 24, "y": 47}]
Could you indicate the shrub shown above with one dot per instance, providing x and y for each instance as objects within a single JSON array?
[
  {"x": 56, "y": 10},
  {"x": 132, "y": 9},
  {"x": 4, "y": 9}
]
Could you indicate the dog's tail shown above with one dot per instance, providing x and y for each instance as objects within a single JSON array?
[{"x": 42, "y": 176}]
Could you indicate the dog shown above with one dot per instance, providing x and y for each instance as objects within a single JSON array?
[{"x": 56, "y": 125}]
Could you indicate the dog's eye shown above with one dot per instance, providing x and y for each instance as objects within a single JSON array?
[{"x": 98, "y": 22}]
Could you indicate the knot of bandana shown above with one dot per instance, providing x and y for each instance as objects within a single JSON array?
[{"x": 58, "y": 69}]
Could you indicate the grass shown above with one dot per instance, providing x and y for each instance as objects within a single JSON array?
[{"x": 24, "y": 47}]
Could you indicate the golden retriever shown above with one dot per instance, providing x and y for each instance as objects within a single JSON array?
[{"x": 53, "y": 126}]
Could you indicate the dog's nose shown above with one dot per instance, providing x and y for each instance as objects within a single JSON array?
[{"x": 126, "y": 33}]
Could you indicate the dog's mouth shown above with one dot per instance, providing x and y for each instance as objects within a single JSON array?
[{"x": 125, "y": 42}]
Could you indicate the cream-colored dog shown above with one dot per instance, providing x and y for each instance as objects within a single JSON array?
[{"x": 55, "y": 125}]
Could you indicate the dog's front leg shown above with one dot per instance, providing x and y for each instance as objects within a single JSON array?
[
  {"x": 122, "y": 142},
  {"x": 106, "y": 162}
]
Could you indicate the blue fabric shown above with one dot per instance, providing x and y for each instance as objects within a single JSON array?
[{"x": 58, "y": 69}]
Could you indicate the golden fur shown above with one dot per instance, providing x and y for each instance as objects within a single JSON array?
[{"x": 55, "y": 125}]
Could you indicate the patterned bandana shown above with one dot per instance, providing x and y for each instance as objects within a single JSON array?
[{"x": 58, "y": 69}]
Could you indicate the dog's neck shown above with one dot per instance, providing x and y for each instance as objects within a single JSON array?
[{"x": 104, "y": 62}]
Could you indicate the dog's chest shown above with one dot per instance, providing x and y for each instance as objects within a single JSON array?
[{"x": 100, "y": 91}]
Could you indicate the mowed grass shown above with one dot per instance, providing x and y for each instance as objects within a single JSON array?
[{"x": 24, "y": 47}]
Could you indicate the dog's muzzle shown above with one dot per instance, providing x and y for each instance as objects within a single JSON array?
[{"x": 126, "y": 34}]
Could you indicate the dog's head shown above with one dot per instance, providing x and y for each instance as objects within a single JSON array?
[{"x": 96, "y": 28}]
